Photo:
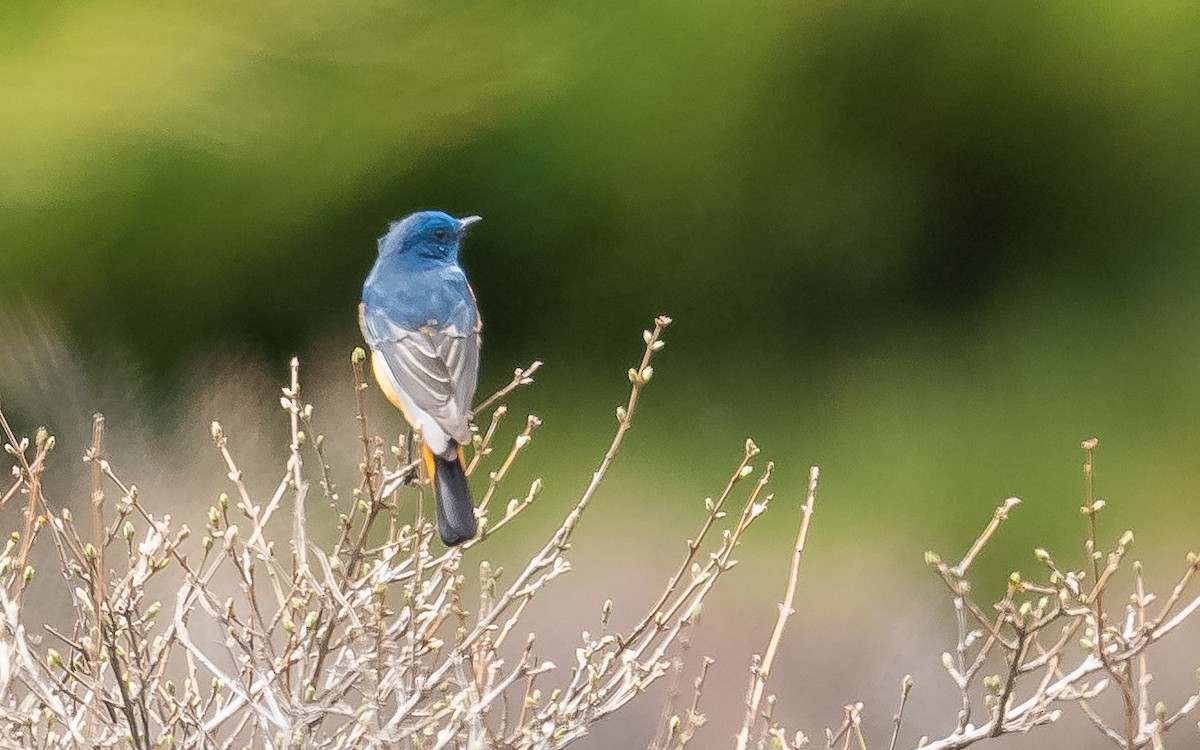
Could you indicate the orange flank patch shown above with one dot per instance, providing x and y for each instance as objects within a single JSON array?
[
  {"x": 462, "y": 457},
  {"x": 379, "y": 367},
  {"x": 428, "y": 456}
]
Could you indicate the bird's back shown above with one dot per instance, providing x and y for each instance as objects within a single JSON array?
[{"x": 433, "y": 297}]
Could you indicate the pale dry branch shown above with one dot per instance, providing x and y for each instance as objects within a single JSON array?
[
  {"x": 361, "y": 644},
  {"x": 760, "y": 675},
  {"x": 364, "y": 637}
]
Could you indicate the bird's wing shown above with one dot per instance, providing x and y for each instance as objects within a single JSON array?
[
  {"x": 437, "y": 370},
  {"x": 460, "y": 352}
]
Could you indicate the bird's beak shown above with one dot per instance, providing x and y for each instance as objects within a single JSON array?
[{"x": 468, "y": 221}]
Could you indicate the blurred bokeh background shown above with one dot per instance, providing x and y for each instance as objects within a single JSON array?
[{"x": 928, "y": 246}]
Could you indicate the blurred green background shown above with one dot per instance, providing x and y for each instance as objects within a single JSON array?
[{"x": 929, "y": 246}]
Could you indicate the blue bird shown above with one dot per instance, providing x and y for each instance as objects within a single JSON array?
[{"x": 418, "y": 315}]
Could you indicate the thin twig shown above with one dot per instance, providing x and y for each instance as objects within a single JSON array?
[
  {"x": 763, "y": 673},
  {"x": 295, "y": 464},
  {"x": 1000, "y": 515},
  {"x": 520, "y": 378},
  {"x": 905, "y": 688}
]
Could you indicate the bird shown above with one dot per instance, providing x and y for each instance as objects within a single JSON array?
[{"x": 421, "y": 321}]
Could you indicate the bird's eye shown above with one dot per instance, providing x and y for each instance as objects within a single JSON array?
[{"x": 439, "y": 235}]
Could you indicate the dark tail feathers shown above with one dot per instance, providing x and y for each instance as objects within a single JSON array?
[{"x": 455, "y": 508}]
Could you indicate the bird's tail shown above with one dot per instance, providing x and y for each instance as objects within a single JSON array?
[{"x": 455, "y": 508}]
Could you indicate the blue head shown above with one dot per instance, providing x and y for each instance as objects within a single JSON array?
[{"x": 425, "y": 238}]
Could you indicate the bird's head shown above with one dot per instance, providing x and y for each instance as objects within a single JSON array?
[{"x": 429, "y": 236}]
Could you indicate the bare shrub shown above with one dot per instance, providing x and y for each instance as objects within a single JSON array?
[{"x": 368, "y": 638}]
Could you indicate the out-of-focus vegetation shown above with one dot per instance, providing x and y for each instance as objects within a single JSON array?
[{"x": 927, "y": 245}]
